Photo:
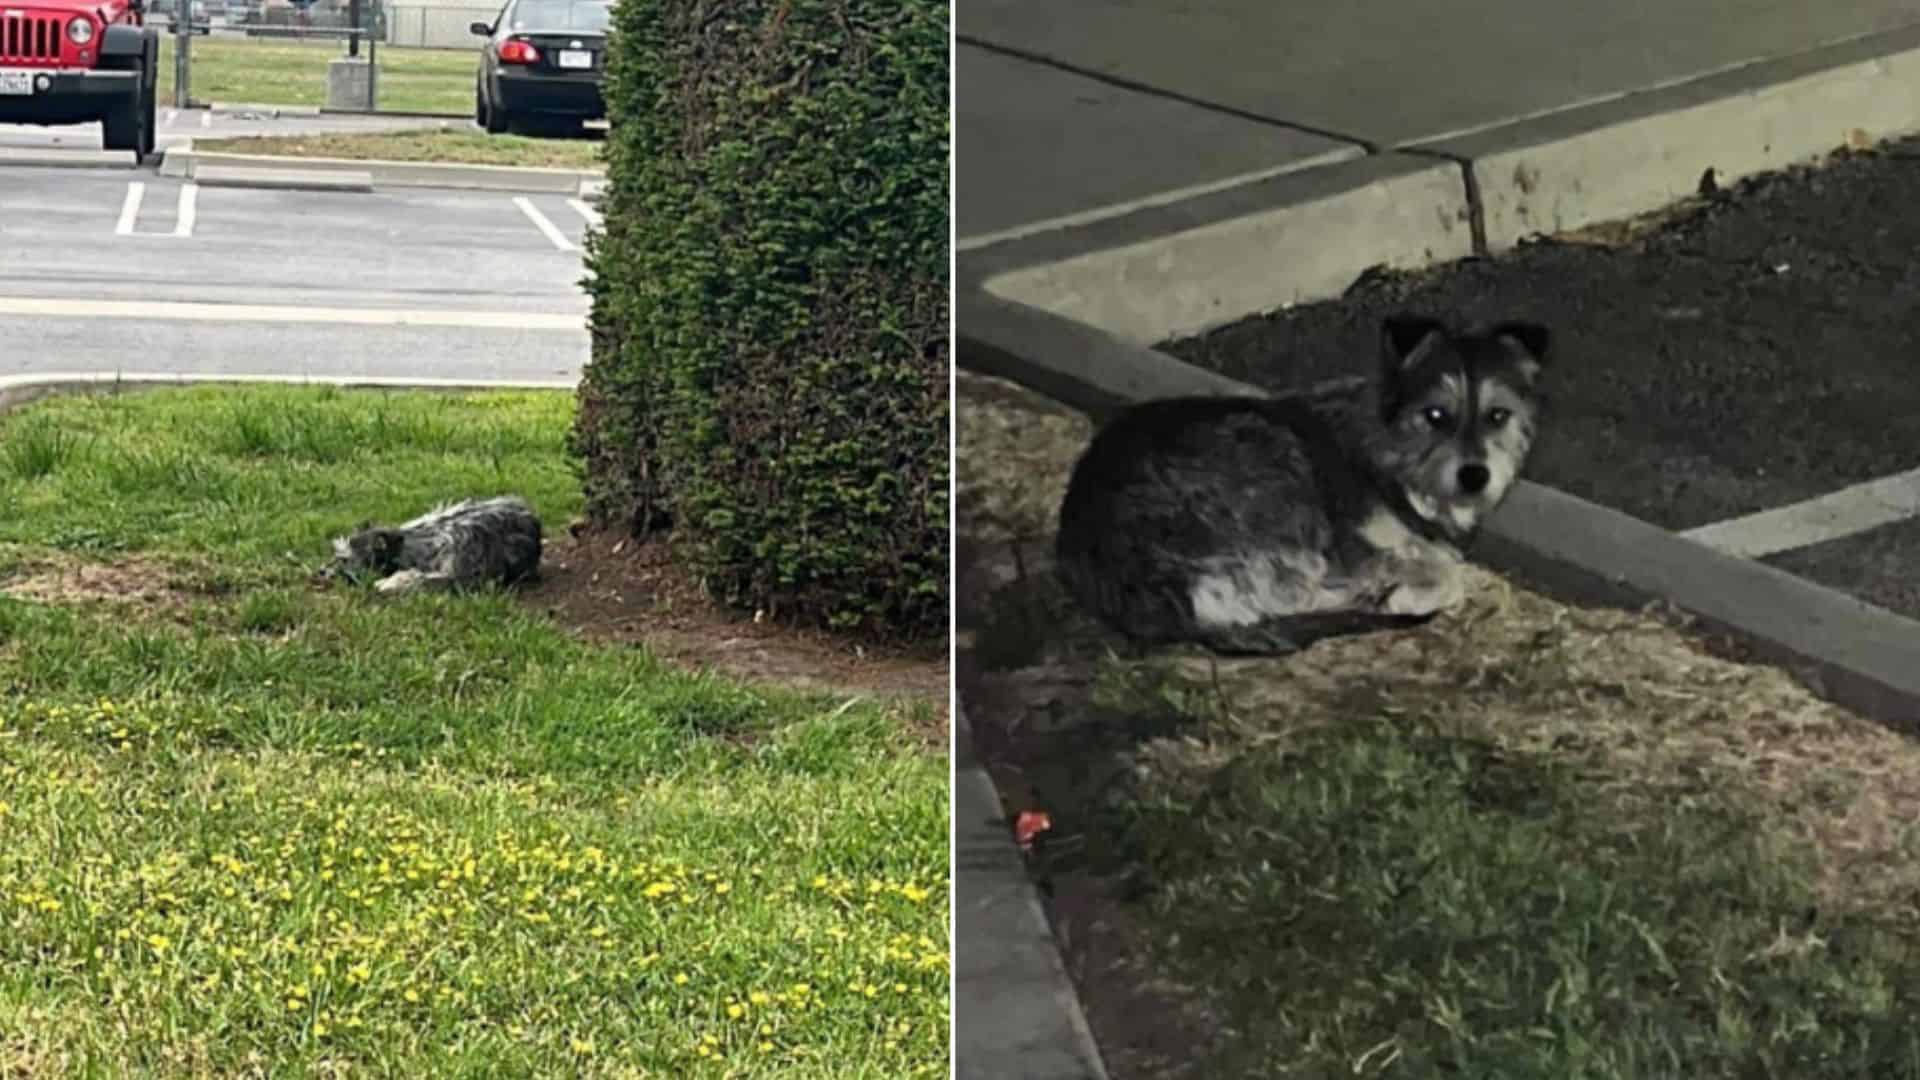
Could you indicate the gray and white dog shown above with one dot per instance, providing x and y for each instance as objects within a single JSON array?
[
  {"x": 1258, "y": 525},
  {"x": 461, "y": 545}
]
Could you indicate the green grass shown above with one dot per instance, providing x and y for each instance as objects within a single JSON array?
[
  {"x": 273, "y": 72},
  {"x": 466, "y": 146},
  {"x": 1392, "y": 896},
  {"x": 271, "y": 830}
]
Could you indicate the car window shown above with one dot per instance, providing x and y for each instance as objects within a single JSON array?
[{"x": 579, "y": 16}]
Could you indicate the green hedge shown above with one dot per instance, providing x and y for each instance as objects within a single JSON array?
[{"x": 770, "y": 303}]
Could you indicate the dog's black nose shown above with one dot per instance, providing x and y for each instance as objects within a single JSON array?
[{"x": 1473, "y": 478}]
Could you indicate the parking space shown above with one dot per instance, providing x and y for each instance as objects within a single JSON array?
[
  {"x": 417, "y": 228},
  {"x": 134, "y": 271}
]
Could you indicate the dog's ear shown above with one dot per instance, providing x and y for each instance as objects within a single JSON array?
[
  {"x": 1404, "y": 339},
  {"x": 1527, "y": 342}
]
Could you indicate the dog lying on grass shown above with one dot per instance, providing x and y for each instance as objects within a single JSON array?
[
  {"x": 1255, "y": 526},
  {"x": 465, "y": 545}
]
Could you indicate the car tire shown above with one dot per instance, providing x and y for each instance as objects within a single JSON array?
[
  {"x": 128, "y": 124},
  {"x": 150, "y": 93},
  {"x": 493, "y": 119}
]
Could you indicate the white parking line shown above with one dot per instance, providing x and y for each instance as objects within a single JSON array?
[
  {"x": 1840, "y": 514},
  {"x": 177, "y": 311},
  {"x": 540, "y": 222},
  {"x": 184, "y": 217},
  {"x": 130, "y": 209},
  {"x": 206, "y": 118},
  {"x": 587, "y": 213}
]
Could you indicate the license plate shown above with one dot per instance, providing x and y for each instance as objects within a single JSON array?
[
  {"x": 576, "y": 59},
  {"x": 16, "y": 83}
]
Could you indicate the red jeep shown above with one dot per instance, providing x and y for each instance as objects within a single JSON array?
[{"x": 71, "y": 61}]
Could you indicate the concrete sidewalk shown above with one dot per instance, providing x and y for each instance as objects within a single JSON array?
[
  {"x": 1073, "y": 105},
  {"x": 1108, "y": 154}
]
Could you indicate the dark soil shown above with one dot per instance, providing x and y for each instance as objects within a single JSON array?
[{"x": 614, "y": 589}]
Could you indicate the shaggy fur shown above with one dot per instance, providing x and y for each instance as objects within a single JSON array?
[
  {"x": 463, "y": 545},
  {"x": 1256, "y": 525}
]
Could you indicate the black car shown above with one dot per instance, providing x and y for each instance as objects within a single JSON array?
[{"x": 542, "y": 66}]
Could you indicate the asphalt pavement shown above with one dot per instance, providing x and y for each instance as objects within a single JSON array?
[
  {"x": 177, "y": 127},
  {"x": 128, "y": 271}
]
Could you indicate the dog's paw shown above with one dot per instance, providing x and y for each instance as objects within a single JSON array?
[
  {"x": 1427, "y": 597},
  {"x": 401, "y": 582}
]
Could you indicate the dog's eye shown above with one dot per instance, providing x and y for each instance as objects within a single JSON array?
[
  {"x": 1497, "y": 417},
  {"x": 1436, "y": 416}
]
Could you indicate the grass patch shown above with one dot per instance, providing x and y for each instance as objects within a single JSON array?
[
  {"x": 1394, "y": 897},
  {"x": 272, "y": 829},
  {"x": 273, "y": 72},
  {"x": 463, "y": 146}
]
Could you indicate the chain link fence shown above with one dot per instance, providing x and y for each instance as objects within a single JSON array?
[{"x": 408, "y": 58}]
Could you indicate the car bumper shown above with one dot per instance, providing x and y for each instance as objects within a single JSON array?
[
  {"x": 68, "y": 97},
  {"x": 549, "y": 95}
]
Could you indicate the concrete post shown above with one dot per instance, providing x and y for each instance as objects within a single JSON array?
[{"x": 350, "y": 84}]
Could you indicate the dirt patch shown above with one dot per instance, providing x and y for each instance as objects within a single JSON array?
[
  {"x": 616, "y": 590},
  {"x": 1635, "y": 701},
  {"x": 133, "y": 581}
]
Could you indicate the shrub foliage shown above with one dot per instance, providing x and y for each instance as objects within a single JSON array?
[{"x": 770, "y": 303}]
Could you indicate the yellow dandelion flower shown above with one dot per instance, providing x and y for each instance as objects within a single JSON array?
[
  {"x": 681, "y": 979},
  {"x": 735, "y": 1012},
  {"x": 583, "y": 1046},
  {"x": 766, "y": 1048},
  {"x": 159, "y": 942},
  {"x": 758, "y": 997},
  {"x": 319, "y": 1031},
  {"x": 722, "y": 889},
  {"x": 411, "y": 995},
  {"x": 914, "y": 894}
]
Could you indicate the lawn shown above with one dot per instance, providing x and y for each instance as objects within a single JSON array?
[
  {"x": 456, "y": 145},
  {"x": 252, "y": 826},
  {"x": 274, "y": 72},
  {"x": 1526, "y": 840}
]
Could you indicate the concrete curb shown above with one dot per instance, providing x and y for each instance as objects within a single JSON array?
[
  {"x": 1851, "y": 653},
  {"x": 54, "y": 157},
  {"x": 228, "y": 107},
  {"x": 18, "y": 390},
  {"x": 283, "y": 179},
  {"x": 1171, "y": 271},
  {"x": 1174, "y": 270},
  {"x": 1016, "y": 1016},
  {"x": 184, "y": 162},
  {"x": 1637, "y": 153}
]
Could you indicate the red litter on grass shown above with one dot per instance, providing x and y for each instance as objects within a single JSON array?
[{"x": 1029, "y": 824}]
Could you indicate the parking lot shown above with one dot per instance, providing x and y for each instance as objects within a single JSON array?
[{"x": 122, "y": 269}]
